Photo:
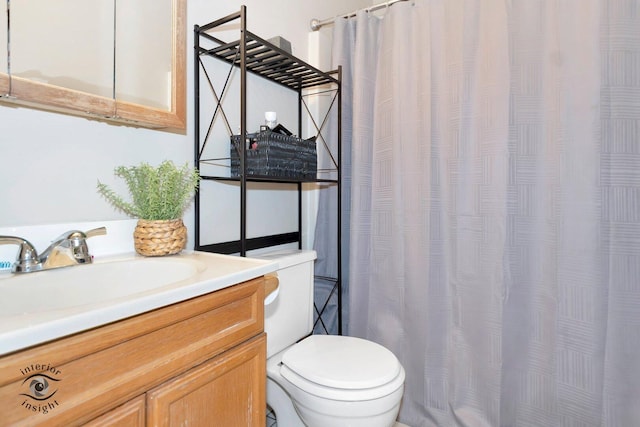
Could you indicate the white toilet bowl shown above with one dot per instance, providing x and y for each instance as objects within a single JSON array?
[
  {"x": 336, "y": 381},
  {"x": 323, "y": 380}
]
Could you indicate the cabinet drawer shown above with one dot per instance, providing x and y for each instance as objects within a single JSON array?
[{"x": 97, "y": 370}]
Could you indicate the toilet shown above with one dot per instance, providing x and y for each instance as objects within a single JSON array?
[{"x": 322, "y": 380}]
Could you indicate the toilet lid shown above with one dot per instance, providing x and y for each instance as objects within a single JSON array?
[{"x": 340, "y": 362}]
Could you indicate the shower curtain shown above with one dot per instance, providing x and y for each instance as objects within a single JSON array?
[{"x": 494, "y": 189}]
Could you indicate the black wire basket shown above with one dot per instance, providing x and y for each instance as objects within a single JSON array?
[{"x": 275, "y": 155}]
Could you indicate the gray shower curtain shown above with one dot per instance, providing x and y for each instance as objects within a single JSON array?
[{"x": 494, "y": 233}]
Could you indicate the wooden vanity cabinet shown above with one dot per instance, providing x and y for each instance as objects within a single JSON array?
[{"x": 199, "y": 362}]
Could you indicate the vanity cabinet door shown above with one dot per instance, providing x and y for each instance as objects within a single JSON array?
[
  {"x": 226, "y": 391},
  {"x": 131, "y": 414}
]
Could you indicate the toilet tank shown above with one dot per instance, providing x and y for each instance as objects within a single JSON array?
[{"x": 289, "y": 317}]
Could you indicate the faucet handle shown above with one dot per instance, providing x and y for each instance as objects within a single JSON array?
[
  {"x": 27, "y": 259},
  {"x": 79, "y": 246},
  {"x": 73, "y": 244},
  {"x": 100, "y": 231},
  {"x": 77, "y": 234}
]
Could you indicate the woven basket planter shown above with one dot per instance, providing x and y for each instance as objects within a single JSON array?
[{"x": 159, "y": 238}]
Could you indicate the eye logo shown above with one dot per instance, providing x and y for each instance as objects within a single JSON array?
[{"x": 40, "y": 387}]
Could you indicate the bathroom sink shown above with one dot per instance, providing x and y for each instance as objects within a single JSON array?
[
  {"x": 90, "y": 284},
  {"x": 41, "y": 306}
]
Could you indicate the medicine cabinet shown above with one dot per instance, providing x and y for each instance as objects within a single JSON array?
[{"x": 115, "y": 60}]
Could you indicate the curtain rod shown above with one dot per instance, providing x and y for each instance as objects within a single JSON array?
[{"x": 316, "y": 24}]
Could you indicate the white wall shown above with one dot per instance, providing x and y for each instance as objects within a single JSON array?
[{"x": 50, "y": 162}]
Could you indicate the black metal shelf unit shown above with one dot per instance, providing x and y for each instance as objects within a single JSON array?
[{"x": 252, "y": 54}]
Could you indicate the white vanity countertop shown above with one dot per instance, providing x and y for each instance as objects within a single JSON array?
[{"x": 43, "y": 306}]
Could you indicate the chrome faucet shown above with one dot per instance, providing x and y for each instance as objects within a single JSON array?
[
  {"x": 68, "y": 249},
  {"x": 27, "y": 259}
]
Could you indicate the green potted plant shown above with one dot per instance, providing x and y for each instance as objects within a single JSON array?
[{"x": 159, "y": 197}]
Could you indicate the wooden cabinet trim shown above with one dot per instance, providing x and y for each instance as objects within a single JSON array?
[{"x": 271, "y": 283}]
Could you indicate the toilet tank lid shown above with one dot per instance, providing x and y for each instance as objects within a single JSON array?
[
  {"x": 342, "y": 362},
  {"x": 288, "y": 257}
]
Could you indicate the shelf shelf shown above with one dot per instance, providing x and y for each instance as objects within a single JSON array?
[
  {"x": 234, "y": 246},
  {"x": 254, "y": 55},
  {"x": 254, "y": 178},
  {"x": 270, "y": 62}
]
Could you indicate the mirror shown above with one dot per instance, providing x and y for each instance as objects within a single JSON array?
[
  {"x": 139, "y": 38},
  {"x": 54, "y": 43},
  {"x": 117, "y": 60}
]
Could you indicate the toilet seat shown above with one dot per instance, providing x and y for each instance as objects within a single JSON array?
[{"x": 342, "y": 368}]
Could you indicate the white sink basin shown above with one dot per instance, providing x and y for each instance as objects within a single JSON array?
[
  {"x": 38, "y": 307},
  {"x": 90, "y": 284}
]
